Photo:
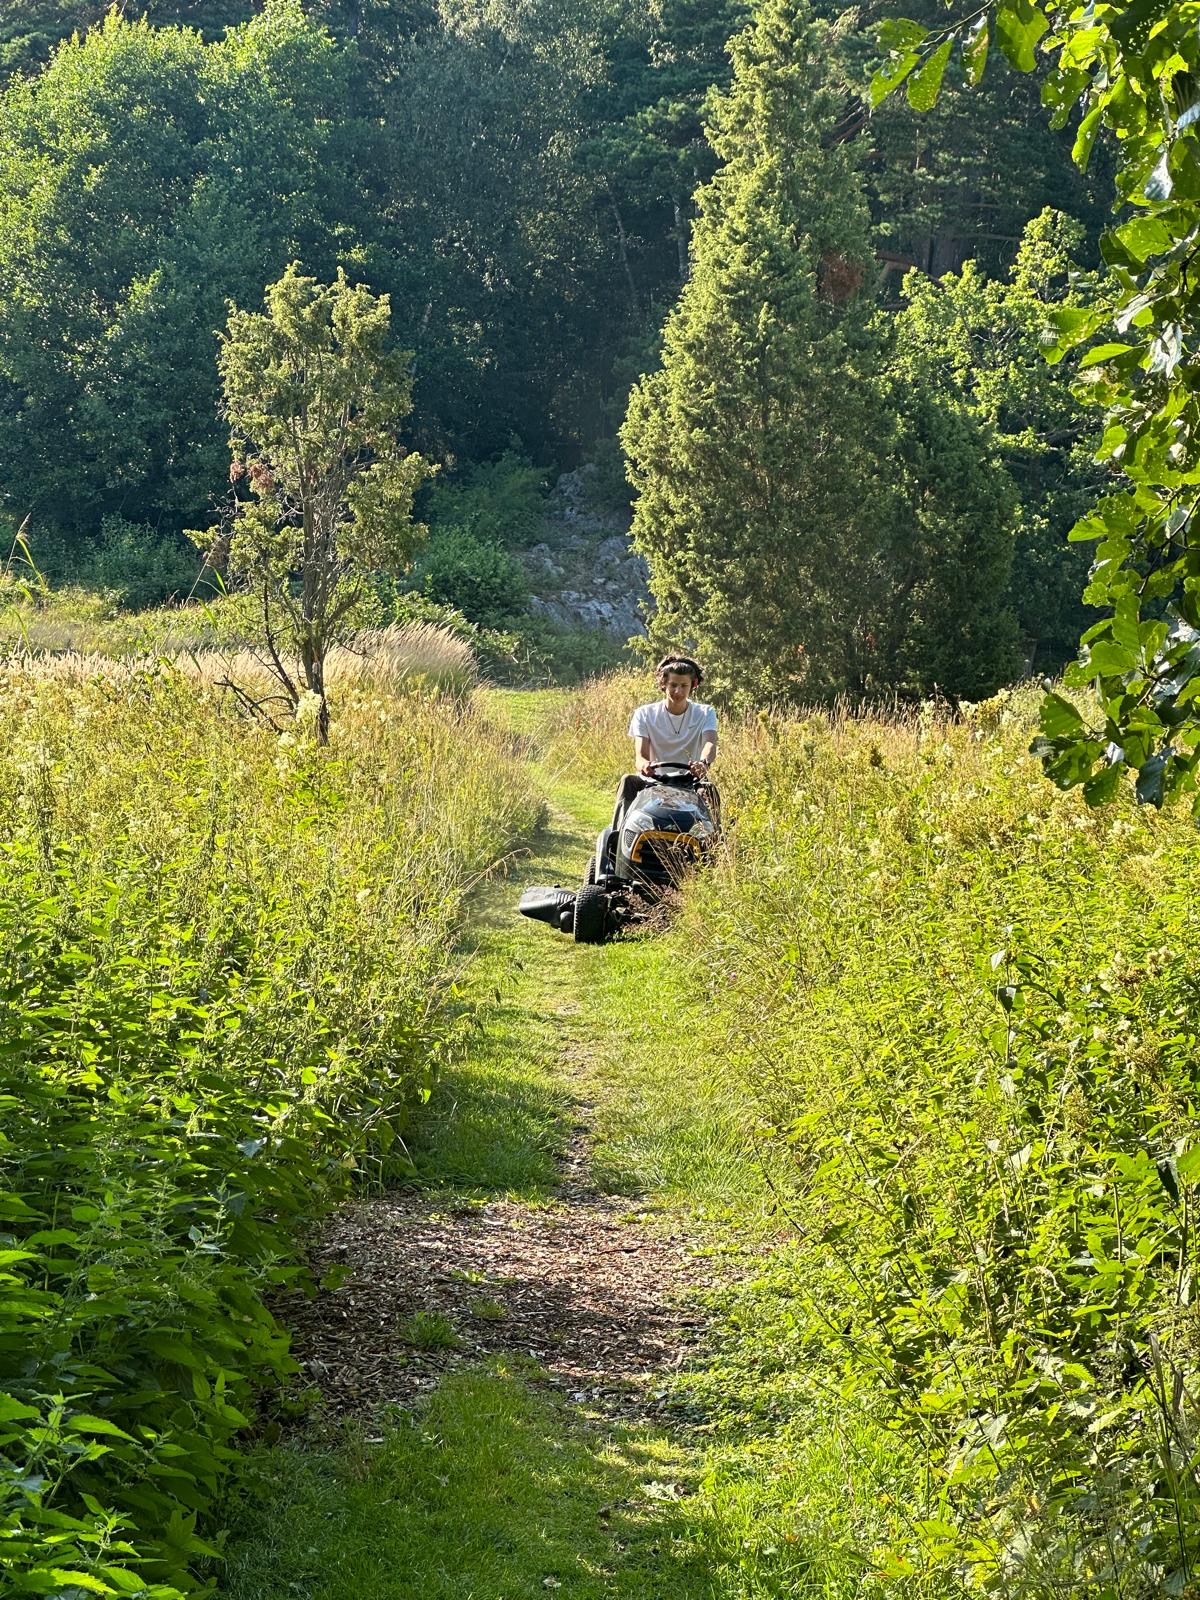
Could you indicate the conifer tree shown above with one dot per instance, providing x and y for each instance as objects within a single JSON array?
[
  {"x": 747, "y": 449},
  {"x": 809, "y": 524}
]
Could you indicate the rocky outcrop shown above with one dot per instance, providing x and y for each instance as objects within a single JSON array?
[{"x": 584, "y": 573}]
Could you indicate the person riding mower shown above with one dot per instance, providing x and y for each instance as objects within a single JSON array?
[{"x": 665, "y": 819}]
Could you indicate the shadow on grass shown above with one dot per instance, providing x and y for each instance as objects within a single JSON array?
[
  {"x": 491, "y": 1493},
  {"x": 500, "y": 1114}
]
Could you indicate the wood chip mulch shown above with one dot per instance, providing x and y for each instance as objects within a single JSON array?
[{"x": 586, "y": 1288}]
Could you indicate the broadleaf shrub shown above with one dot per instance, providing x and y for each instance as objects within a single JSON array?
[
  {"x": 221, "y": 959},
  {"x": 474, "y": 574}
]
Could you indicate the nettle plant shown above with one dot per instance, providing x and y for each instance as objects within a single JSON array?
[{"x": 1131, "y": 70}]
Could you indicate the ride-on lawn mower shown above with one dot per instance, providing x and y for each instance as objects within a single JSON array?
[{"x": 667, "y": 828}]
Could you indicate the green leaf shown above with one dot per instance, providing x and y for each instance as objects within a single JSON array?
[
  {"x": 13, "y": 1410},
  {"x": 898, "y": 34},
  {"x": 1102, "y": 353},
  {"x": 1058, "y": 718},
  {"x": 1085, "y": 138},
  {"x": 1102, "y": 786},
  {"x": 1150, "y": 786},
  {"x": 1168, "y": 1175},
  {"x": 1019, "y": 26},
  {"x": 9, "y": 1258},
  {"x": 1144, "y": 237},
  {"x": 975, "y": 50},
  {"x": 925, "y": 86},
  {"x": 1109, "y": 659},
  {"x": 1067, "y": 761},
  {"x": 1126, "y": 622},
  {"x": 890, "y": 76},
  {"x": 124, "y": 1581},
  {"x": 1067, "y": 327},
  {"x": 84, "y": 1422}
]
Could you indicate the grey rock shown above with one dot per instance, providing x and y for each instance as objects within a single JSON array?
[{"x": 584, "y": 573}]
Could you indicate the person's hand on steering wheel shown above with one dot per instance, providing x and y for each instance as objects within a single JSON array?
[{"x": 698, "y": 769}]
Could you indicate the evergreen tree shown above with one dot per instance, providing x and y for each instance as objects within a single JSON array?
[
  {"x": 810, "y": 523},
  {"x": 746, "y": 449}
]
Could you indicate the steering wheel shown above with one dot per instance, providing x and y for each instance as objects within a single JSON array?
[{"x": 670, "y": 769}]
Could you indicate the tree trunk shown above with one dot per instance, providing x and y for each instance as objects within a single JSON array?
[
  {"x": 312, "y": 659},
  {"x": 681, "y": 239},
  {"x": 623, "y": 242},
  {"x": 313, "y": 635}
]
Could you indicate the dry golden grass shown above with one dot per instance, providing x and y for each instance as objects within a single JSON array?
[{"x": 389, "y": 660}]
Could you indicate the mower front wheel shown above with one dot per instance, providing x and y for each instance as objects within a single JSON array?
[{"x": 591, "y": 915}]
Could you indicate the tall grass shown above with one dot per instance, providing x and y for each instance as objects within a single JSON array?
[
  {"x": 223, "y": 957},
  {"x": 72, "y": 635},
  {"x": 961, "y": 1011}
]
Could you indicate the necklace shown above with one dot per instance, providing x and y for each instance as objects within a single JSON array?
[{"x": 677, "y": 726}]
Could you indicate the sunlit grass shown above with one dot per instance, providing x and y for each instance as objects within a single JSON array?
[
  {"x": 492, "y": 1492},
  {"x": 230, "y": 958}
]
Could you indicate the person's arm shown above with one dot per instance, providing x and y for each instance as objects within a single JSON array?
[
  {"x": 641, "y": 753},
  {"x": 708, "y": 753}
]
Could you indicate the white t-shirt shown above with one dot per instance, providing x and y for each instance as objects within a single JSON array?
[{"x": 673, "y": 737}]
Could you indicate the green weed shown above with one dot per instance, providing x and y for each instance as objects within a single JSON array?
[
  {"x": 225, "y": 965},
  {"x": 429, "y": 1330},
  {"x": 487, "y": 1310}
]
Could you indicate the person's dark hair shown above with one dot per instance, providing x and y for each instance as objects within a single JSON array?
[{"x": 680, "y": 664}]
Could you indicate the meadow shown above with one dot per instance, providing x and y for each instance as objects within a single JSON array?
[
  {"x": 225, "y": 962},
  {"x": 915, "y": 1059},
  {"x": 948, "y": 1020}
]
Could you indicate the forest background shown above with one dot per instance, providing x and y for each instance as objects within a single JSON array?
[{"x": 520, "y": 179}]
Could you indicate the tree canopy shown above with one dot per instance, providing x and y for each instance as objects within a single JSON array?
[
  {"x": 1131, "y": 71},
  {"x": 526, "y": 182},
  {"x": 323, "y": 487}
]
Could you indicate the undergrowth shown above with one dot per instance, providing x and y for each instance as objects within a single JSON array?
[{"x": 224, "y": 961}]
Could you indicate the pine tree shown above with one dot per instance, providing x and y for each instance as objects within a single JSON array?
[{"x": 748, "y": 449}]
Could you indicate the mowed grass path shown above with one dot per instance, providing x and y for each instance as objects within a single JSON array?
[{"x": 498, "y": 1487}]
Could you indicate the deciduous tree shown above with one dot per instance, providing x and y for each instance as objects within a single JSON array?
[
  {"x": 145, "y": 179},
  {"x": 324, "y": 488},
  {"x": 979, "y": 339},
  {"x": 1132, "y": 70}
]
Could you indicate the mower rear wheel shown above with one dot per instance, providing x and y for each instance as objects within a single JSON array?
[
  {"x": 591, "y": 915},
  {"x": 591, "y": 871}
]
